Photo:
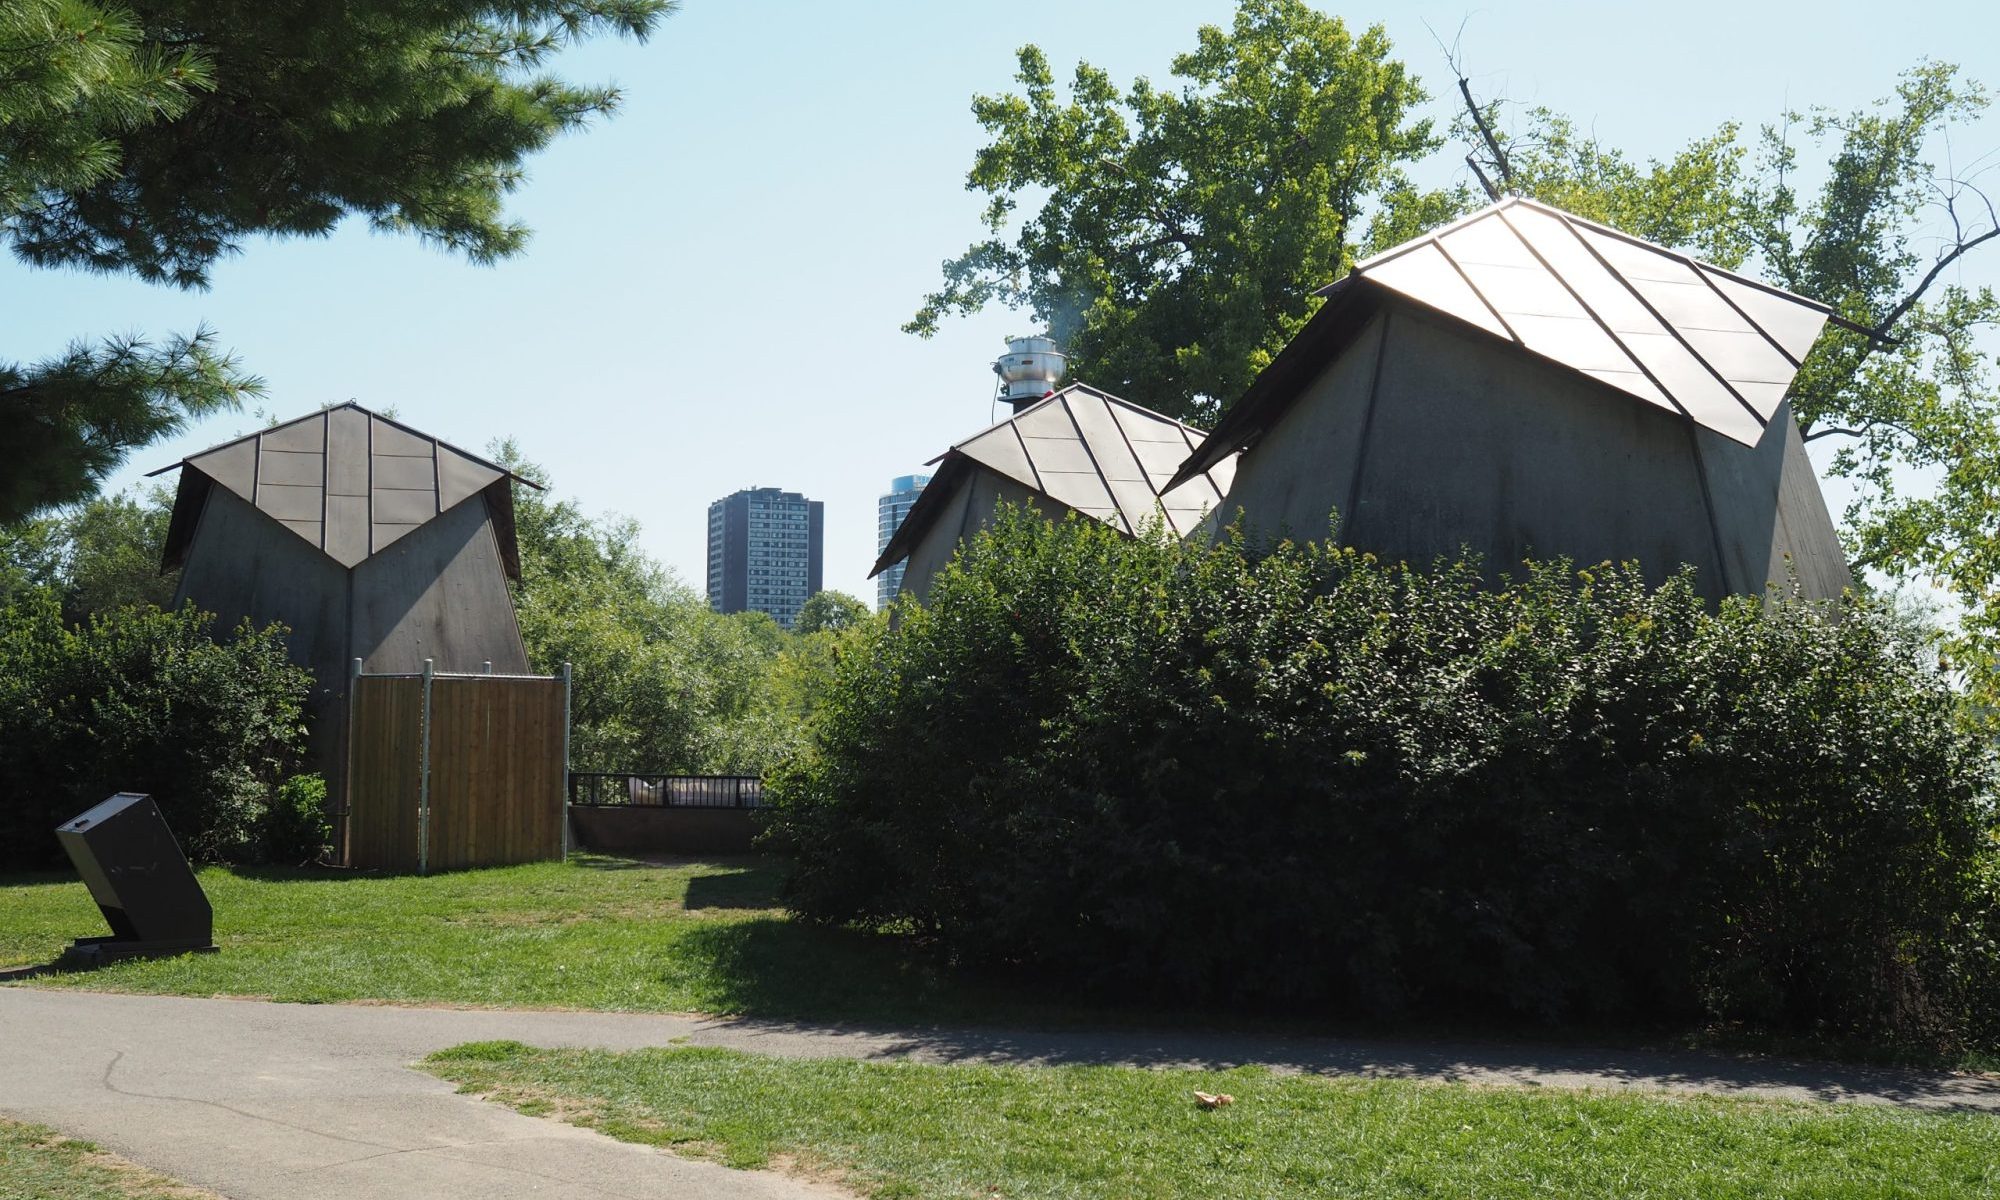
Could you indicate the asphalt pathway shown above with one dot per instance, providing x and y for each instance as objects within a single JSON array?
[{"x": 305, "y": 1102}]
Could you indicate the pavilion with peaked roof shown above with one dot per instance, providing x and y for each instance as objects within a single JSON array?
[
  {"x": 368, "y": 539},
  {"x": 1076, "y": 450},
  {"x": 1526, "y": 383}
]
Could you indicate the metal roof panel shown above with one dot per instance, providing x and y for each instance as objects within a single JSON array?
[
  {"x": 1050, "y": 453},
  {"x": 1426, "y": 271},
  {"x": 1646, "y": 320},
  {"x": 287, "y": 502},
  {"x": 372, "y": 478},
  {"x": 347, "y": 529},
  {"x": 1793, "y": 326},
  {"x": 233, "y": 466},
  {"x": 404, "y": 472},
  {"x": 291, "y": 466},
  {"x": 1086, "y": 449},
  {"x": 1002, "y": 450},
  {"x": 460, "y": 477},
  {"x": 346, "y": 455}
]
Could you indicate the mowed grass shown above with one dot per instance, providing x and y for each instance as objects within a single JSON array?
[
  {"x": 593, "y": 933},
  {"x": 909, "y": 1130},
  {"x": 41, "y": 1163}
]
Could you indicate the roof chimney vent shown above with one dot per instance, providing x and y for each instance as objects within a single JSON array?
[{"x": 1029, "y": 370}]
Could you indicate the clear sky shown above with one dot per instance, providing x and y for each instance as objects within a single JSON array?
[{"x": 713, "y": 296}]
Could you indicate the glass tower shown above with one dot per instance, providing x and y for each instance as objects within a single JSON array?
[{"x": 889, "y": 513}]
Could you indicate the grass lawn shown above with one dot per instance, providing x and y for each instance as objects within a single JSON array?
[
  {"x": 596, "y": 933},
  {"x": 910, "y": 1130},
  {"x": 41, "y": 1163}
]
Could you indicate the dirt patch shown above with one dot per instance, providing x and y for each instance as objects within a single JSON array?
[{"x": 809, "y": 1169}]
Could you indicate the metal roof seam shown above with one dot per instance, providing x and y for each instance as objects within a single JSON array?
[
  {"x": 1669, "y": 326},
  {"x": 1609, "y": 332},
  {"x": 1026, "y": 454},
  {"x": 1103, "y": 480},
  {"x": 1680, "y": 257},
  {"x": 1395, "y": 252},
  {"x": 1132, "y": 450},
  {"x": 1477, "y": 293},
  {"x": 325, "y": 469},
  {"x": 1702, "y": 274}
]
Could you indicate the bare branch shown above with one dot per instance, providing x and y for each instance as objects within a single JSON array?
[
  {"x": 1486, "y": 131},
  {"x": 1958, "y": 251},
  {"x": 1492, "y": 192}
]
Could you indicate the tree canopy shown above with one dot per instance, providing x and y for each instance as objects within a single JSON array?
[
  {"x": 663, "y": 683},
  {"x": 1185, "y": 229},
  {"x": 153, "y": 137},
  {"x": 1911, "y": 405},
  {"x": 829, "y": 612}
]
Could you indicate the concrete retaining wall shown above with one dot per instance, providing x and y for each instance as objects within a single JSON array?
[{"x": 647, "y": 829}]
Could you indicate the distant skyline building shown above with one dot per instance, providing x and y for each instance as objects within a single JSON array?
[
  {"x": 764, "y": 552},
  {"x": 889, "y": 513}
]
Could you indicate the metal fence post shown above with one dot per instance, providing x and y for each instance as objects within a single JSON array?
[
  {"x": 565, "y": 771},
  {"x": 347, "y": 763},
  {"x": 424, "y": 779}
]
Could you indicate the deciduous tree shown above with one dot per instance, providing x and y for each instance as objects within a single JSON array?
[{"x": 1185, "y": 228}]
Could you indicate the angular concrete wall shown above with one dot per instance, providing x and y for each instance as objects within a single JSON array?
[
  {"x": 439, "y": 593},
  {"x": 243, "y": 564},
  {"x": 969, "y": 509},
  {"x": 1458, "y": 440}
]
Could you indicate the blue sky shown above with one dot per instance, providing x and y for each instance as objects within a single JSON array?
[{"x": 713, "y": 296}]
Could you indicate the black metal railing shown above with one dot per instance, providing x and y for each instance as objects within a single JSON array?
[{"x": 617, "y": 789}]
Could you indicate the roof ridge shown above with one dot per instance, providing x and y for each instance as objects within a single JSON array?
[{"x": 359, "y": 407}]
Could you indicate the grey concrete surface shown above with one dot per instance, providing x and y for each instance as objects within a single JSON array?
[
  {"x": 287, "y": 1102},
  {"x": 258, "y": 1100}
]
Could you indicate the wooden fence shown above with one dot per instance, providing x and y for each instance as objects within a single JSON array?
[{"x": 448, "y": 771}]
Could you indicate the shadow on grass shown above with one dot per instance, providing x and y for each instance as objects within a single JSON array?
[
  {"x": 752, "y": 889},
  {"x": 784, "y": 968},
  {"x": 895, "y": 1000},
  {"x": 309, "y": 874},
  {"x": 590, "y": 861},
  {"x": 17, "y": 974}
]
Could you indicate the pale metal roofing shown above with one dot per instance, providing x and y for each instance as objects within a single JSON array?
[
  {"x": 347, "y": 480},
  {"x": 1688, "y": 337},
  {"x": 1100, "y": 455}
]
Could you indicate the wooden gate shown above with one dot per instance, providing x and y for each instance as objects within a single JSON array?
[{"x": 448, "y": 771}]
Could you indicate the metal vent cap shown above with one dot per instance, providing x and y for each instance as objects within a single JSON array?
[{"x": 1030, "y": 369}]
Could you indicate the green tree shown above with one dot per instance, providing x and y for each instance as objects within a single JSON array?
[
  {"x": 1912, "y": 404},
  {"x": 94, "y": 557},
  {"x": 662, "y": 682},
  {"x": 154, "y": 136},
  {"x": 829, "y": 612},
  {"x": 1184, "y": 230}
]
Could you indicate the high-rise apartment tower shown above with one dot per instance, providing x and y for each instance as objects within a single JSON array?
[{"x": 764, "y": 552}]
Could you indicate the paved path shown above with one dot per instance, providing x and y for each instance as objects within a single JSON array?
[
  {"x": 294, "y": 1102},
  {"x": 317, "y": 1102}
]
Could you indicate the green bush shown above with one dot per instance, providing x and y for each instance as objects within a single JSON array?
[
  {"x": 1299, "y": 777},
  {"x": 141, "y": 700},
  {"x": 297, "y": 829}
]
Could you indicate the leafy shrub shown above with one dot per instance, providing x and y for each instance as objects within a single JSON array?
[
  {"x": 297, "y": 829},
  {"x": 141, "y": 700},
  {"x": 1300, "y": 777}
]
